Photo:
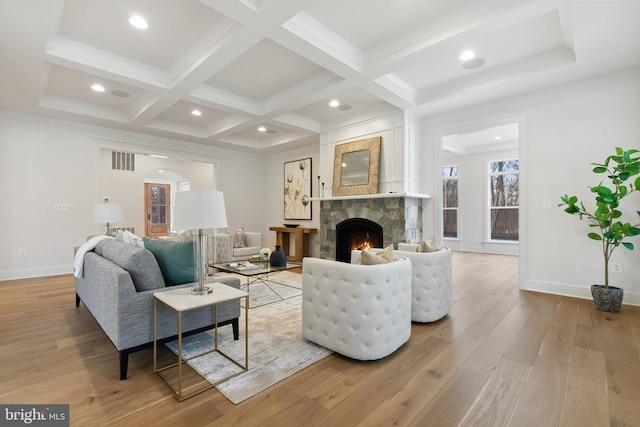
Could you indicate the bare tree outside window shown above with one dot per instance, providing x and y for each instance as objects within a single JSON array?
[
  {"x": 505, "y": 199},
  {"x": 450, "y": 201}
]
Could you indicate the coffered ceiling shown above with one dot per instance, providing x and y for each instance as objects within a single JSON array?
[{"x": 246, "y": 64}]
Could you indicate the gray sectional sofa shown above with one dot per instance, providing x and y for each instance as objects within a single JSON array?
[{"x": 117, "y": 286}]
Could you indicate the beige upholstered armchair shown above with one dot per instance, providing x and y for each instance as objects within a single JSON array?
[{"x": 220, "y": 247}]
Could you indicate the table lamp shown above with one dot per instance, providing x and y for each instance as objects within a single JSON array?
[
  {"x": 107, "y": 213},
  {"x": 199, "y": 209}
]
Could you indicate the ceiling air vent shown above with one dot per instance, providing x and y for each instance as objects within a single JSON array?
[{"x": 121, "y": 161}]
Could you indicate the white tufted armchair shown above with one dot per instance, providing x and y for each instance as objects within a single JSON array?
[
  {"x": 431, "y": 282},
  {"x": 359, "y": 311}
]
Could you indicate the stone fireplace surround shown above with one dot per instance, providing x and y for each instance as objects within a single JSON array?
[{"x": 399, "y": 214}]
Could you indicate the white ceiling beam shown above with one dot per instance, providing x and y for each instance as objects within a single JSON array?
[
  {"x": 495, "y": 76},
  {"x": 290, "y": 119},
  {"x": 225, "y": 101},
  {"x": 83, "y": 109},
  {"x": 308, "y": 29},
  {"x": 77, "y": 56},
  {"x": 465, "y": 24}
]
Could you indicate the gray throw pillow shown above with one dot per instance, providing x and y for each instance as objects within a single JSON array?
[{"x": 139, "y": 262}]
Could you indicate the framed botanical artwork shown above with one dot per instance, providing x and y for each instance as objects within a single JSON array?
[{"x": 297, "y": 189}]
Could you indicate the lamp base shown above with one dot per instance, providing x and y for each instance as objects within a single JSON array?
[{"x": 204, "y": 291}]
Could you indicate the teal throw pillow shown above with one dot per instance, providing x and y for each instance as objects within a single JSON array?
[{"x": 177, "y": 260}]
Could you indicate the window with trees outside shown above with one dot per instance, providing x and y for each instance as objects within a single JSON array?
[
  {"x": 504, "y": 184},
  {"x": 450, "y": 201}
]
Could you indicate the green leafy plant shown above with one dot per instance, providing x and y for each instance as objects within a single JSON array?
[{"x": 604, "y": 220}]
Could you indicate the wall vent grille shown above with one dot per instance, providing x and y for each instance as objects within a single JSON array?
[
  {"x": 129, "y": 229},
  {"x": 122, "y": 161}
]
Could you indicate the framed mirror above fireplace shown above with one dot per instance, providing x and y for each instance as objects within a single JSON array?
[{"x": 356, "y": 167}]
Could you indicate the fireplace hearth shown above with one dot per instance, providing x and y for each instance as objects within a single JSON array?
[{"x": 357, "y": 233}]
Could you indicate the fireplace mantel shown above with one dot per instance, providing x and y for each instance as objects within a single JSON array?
[{"x": 370, "y": 196}]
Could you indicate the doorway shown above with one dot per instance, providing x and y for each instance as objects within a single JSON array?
[
  {"x": 481, "y": 189},
  {"x": 157, "y": 209}
]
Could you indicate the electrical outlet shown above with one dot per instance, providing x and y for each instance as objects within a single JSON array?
[
  {"x": 22, "y": 252},
  {"x": 616, "y": 267}
]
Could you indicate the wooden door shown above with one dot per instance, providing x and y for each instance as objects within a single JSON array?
[{"x": 157, "y": 209}]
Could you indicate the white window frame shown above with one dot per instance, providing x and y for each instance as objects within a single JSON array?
[
  {"x": 446, "y": 208},
  {"x": 490, "y": 207}
]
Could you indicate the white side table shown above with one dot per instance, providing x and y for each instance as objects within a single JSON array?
[{"x": 181, "y": 301}]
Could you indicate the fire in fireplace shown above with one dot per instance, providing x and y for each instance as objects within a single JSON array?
[{"x": 356, "y": 233}]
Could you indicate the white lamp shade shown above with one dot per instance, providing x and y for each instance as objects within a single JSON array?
[
  {"x": 199, "y": 209},
  {"x": 107, "y": 213}
]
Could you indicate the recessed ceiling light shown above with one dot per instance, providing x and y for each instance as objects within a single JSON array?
[
  {"x": 158, "y": 156},
  {"x": 467, "y": 55},
  {"x": 97, "y": 87},
  {"x": 334, "y": 103},
  {"x": 196, "y": 113},
  {"x": 262, "y": 129},
  {"x": 139, "y": 22},
  {"x": 498, "y": 138}
]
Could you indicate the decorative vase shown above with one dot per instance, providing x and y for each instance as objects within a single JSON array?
[
  {"x": 607, "y": 299},
  {"x": 278, "y": 258}
]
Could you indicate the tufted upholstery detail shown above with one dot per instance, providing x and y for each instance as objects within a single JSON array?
[
  {"x": 359, "y": 311},
  {"x": 431, "y": 282},
  {"x": 220, "y": 247}
]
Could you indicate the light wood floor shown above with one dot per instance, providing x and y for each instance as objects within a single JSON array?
[{"x": 503, "y": 357}]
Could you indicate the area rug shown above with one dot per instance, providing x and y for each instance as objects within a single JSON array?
[
  {"x": 281, "y": 286},
  {"x": 276, "y": 350}
]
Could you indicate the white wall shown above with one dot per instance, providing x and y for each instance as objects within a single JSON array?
[
  {"x": 247, "y": 191},
  {"x": 127, "y": 187},
  {"x": 45, "y": 162},
  {"x": 398, "y": 152},
  {"x": 274, "y": 208},
  {"x": 567, "y": 128}
]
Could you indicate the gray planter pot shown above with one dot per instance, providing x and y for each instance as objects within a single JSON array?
[{"x": 607, "y": 299}]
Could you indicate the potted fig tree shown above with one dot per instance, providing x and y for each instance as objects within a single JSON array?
[{"x": 605, "y": 221}]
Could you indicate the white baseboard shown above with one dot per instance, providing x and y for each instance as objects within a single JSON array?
[
  {"x": 36, "y": 272},
  {"x": 575, "y": 291},
  {"x": 467, "y": 248}
]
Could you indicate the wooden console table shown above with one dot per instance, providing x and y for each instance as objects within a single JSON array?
[{"x": 301, "y": 239}]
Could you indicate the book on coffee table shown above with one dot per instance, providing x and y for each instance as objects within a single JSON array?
[{"x": 247, "y": 266}]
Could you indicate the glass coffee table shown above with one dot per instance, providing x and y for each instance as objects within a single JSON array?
[{"x": 257, "y": 271}]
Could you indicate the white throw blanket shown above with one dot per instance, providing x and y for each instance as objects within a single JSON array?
[{"x": 89, "y": 245}]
